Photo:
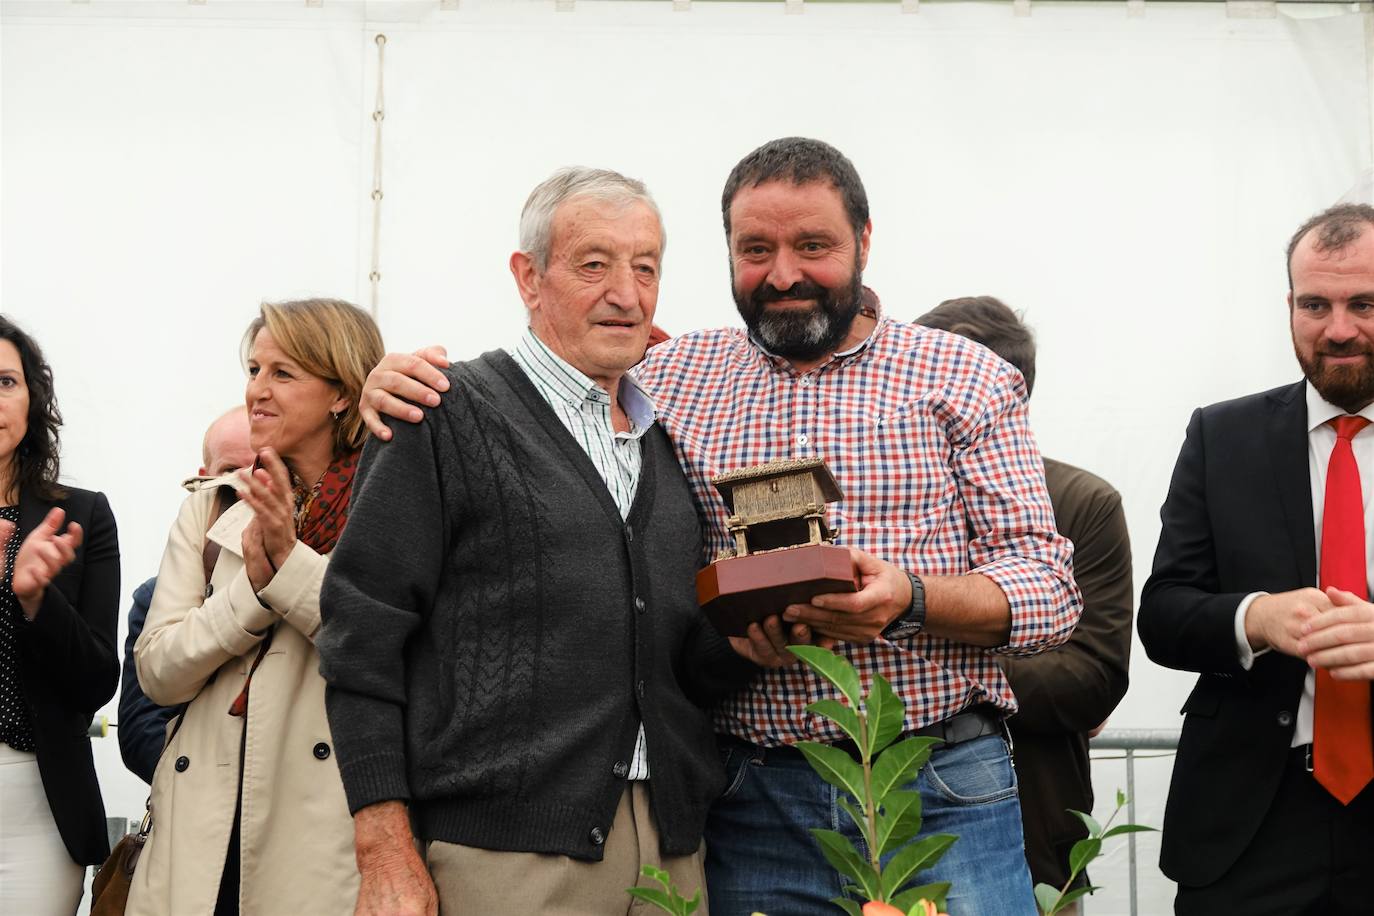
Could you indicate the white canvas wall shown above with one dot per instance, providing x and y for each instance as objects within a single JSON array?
[{"x": 1129, "y": 183}]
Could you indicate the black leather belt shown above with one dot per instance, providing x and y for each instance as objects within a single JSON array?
[{"x": 974, "y": 722}]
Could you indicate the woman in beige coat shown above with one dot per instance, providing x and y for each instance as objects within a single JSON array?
[{"x": 248, "y": 809}]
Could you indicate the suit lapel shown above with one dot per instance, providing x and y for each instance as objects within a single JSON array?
[
  {"x": 1287, "y": 449},
  {"x": 31, "y": 512}
]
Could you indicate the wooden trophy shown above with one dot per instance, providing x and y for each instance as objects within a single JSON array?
[{"x": 784, "y": 551}]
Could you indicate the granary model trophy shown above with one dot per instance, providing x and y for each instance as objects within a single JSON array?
[{"x": 783, "y": 552}]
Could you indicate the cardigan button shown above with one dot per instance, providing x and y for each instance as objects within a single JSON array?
[
  {"x": 629, "y": 532},
  {"x": 596, "y": 836},
  {"x": 621, "y": 769},
  {"x": 639, "y": 604},
  {"x": 321, "y": 751},
  {"x": 639, "y": 688},
  {"x": 1285, "y": 718},
  {"x": 182, "y": 763}
]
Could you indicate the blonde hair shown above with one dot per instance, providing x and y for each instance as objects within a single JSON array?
[{"x": 332, "y": 339}]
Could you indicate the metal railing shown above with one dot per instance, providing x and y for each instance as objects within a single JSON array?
[{"x": 1132, "y": 740}]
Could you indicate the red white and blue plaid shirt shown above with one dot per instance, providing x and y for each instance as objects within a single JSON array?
[{"x": 926, "y": 433}]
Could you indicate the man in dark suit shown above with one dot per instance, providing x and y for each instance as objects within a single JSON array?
[
  {"x": 1064, "y": 694},
  {"x": 1270, "y": 810}
]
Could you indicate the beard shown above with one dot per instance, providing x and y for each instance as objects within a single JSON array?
[
  {"x": 1348, "y": 387},
  {"x": 799, "y": 334}
]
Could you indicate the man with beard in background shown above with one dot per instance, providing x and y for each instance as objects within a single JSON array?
[
  {"x": 1270, "y": 809},
  {"x": 945, "y": 514}
]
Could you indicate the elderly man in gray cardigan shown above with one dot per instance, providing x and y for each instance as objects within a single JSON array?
[{"x": 517, "y": 666}]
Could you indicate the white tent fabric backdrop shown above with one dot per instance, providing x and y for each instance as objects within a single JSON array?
[{"x": 1129, "y": 182}]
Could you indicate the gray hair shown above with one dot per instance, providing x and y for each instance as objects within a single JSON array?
[{"x": 536, "y": 220}]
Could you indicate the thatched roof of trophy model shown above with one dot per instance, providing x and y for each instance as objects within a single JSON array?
[{"x": 784, "y": 551}]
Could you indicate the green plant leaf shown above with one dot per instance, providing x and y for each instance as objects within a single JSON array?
[
  {"x": 691, "y": 905},
  {"x": 899, "y": 821},
  {"x": 857, "y": 816},
  {"x": 834, "y": 766},
  {"x": 845, "y": 859},
  {"x": 1126, "y": 828},
  {"x": 654, "y": 896},
  {"x": 1077, "y": 892},
  {"x": 1094, "y": 828},
  {"x": 885, "y": 715},
  {"x": 912, "y": 858},
  {"x": 1047, "y": 898},
  {"x": 935, "y": 893},
  {"x": 1120, "y": 799},
  {"x": 840, "y": 714},
  {"x": 656, "y": 874},
  {"x": 900, "y": 763},
  {"x": 849, "y": 906},
  {"x": 833, "y": 668},
  {"x": 1083, "y": 852}
]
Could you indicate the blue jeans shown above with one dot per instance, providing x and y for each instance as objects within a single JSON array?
[{"x": 761, "y": 857}]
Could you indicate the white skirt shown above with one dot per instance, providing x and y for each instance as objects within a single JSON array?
[{"x": 37, "y": 876}]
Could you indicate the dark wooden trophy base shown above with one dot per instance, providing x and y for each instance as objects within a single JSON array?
[{"x": 737, "y": 591}]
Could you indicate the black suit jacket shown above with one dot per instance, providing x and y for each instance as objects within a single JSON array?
[
  {"x": 1238, "y": 519},
  {"x": 70, "y": 667}
]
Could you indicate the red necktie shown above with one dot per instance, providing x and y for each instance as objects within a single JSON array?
[{"x": 1342, "y": 744}]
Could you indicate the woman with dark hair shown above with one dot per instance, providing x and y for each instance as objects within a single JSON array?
[{"x": 59, "y": 597}]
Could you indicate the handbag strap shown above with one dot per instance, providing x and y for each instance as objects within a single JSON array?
[{"x": 225, "y": 496}]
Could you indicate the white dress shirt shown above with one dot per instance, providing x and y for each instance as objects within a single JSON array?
[
  {"x": 1321, "y": 439},
  {"x": 584, "y": 407}
]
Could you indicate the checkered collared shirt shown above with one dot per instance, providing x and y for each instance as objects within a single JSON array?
[
  {"x": 926, "y": 433},
  {"x": 585, "y": 409}
]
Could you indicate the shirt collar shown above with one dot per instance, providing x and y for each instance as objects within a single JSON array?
[
  {"x": 564, "y": 381},
  {"x": 1320, "y": 410},
  {"x": 869, "y": 305}
]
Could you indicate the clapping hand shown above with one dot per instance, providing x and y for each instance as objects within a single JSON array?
[
  {"x": 45, "y": 553},
  {"x": 270, "y": 537}
]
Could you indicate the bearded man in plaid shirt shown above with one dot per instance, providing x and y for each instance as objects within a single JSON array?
[{"x": 945, "y": 513}]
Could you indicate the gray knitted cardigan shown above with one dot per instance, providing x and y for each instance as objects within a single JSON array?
[{"x": 493, "y": 632}]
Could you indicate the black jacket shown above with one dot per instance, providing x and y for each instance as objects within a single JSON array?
[
  {"x": 142, "y": 723},
  {"x": 1238, "y": 519},
  {"x": 69, "y": 667}
]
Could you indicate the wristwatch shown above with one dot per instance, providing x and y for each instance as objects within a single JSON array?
[{"x": 913, "y": 619}]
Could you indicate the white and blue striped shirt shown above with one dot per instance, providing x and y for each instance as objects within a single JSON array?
[{"x": 584, "y": 408}]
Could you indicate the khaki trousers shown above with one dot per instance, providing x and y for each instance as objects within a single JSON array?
[{"x": 483, "y": 882}]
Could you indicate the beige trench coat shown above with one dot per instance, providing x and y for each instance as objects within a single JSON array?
[{"x": 297, "y": 835}]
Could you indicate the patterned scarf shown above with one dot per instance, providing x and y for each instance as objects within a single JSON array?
[{"x": 321, "y": 514}]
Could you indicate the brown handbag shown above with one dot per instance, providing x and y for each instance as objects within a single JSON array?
[{"x": 110, "y": 887}]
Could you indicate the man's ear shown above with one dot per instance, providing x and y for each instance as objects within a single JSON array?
[
  {"x": 863, "y": 244},
  {"x": 527, "y": 278}
]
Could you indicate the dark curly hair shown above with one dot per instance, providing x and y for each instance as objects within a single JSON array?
[{"x": 35, "y": 462}]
